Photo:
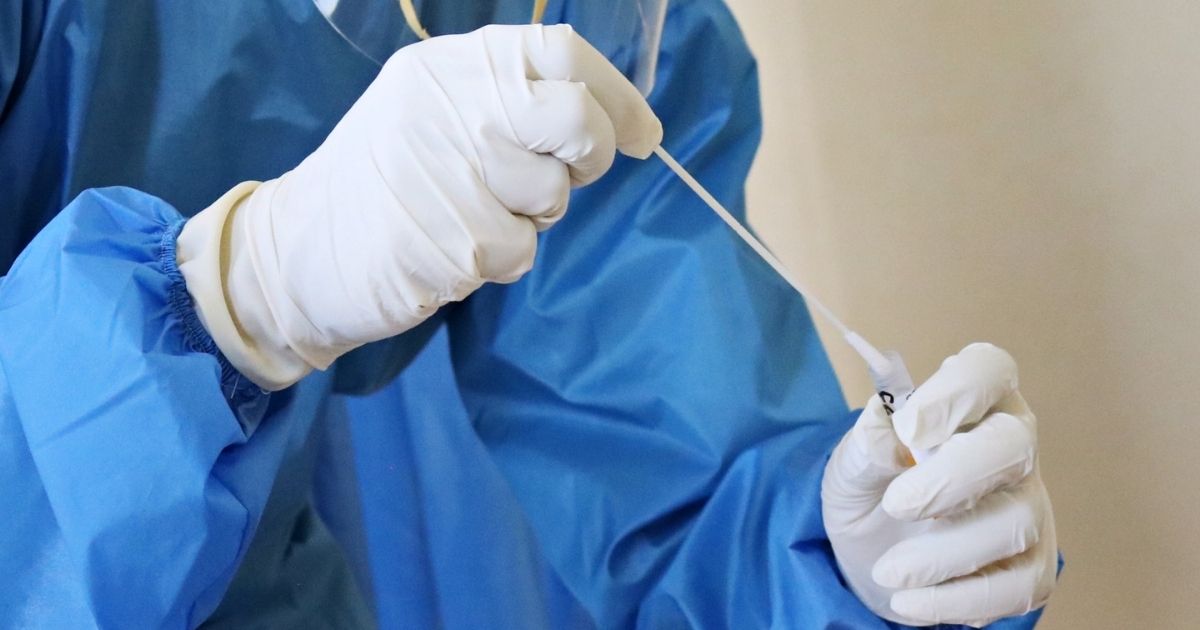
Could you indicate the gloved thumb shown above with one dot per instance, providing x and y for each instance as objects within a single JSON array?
[{"x": 862, "y": 466}]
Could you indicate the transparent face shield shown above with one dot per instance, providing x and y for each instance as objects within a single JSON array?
[{"x": 628, "y": 32}]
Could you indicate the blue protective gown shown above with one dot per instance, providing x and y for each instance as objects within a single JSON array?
[{"x": 633, "y": 435}]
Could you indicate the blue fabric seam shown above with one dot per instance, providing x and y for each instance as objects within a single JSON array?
[{"x": 234, "y": 385}]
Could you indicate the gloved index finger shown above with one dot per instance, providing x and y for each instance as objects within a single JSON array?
[
  {"x": 959, "y": 394},
  {"x": 556, "y": 52}
]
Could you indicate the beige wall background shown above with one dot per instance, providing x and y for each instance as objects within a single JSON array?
[{"x": 1029, "y": 174}]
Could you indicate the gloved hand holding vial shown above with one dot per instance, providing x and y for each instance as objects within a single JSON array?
[{"x": 933, "y": 501}]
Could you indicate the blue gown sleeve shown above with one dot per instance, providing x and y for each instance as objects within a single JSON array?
[
  {"x": 657, "y": 398},
  {"x": 134, "y": 463}
]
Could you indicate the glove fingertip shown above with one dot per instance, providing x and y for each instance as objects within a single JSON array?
[
  {"x": 901, "y": 501},
  {"x": 919, "y": 427},
  {"x": 886, "y": 574},
  {"x": 915, "y": 604},
  {"x": 641, "y": 145}
]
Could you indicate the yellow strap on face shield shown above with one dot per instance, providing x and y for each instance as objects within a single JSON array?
[{"x": 414, "y": 21}]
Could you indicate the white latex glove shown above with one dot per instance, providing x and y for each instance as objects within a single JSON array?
[
  {"x": 436, "y": 181},
  {"x": 967, "y": 535}
]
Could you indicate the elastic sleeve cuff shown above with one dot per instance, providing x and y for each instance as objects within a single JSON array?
[{"x": 236, "y": 387}]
